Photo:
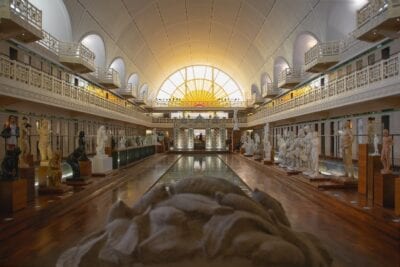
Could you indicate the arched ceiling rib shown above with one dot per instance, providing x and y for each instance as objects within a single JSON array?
[{"x": 160, "y": 36}]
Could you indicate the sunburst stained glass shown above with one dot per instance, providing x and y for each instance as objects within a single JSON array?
[{"x": 199, "y": 86}]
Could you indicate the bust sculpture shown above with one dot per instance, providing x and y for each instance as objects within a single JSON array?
[
  {"x": 44, "y": 141},
  {"x": 387, "y": 143},
  {"x": 347, "y": 151},
  {"x": 101, "y": 140}
]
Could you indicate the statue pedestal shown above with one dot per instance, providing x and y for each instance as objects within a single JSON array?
[
  {"x": 29, "y": 175},
  {"x": 397, "y": 196},
  {"x": 13, "y": 195},
  {"x": 53, "y": 190},
  {"x": 42, "y": 173},
  {"x": 384, "y": 190},
  {"x": 101, "y": 165},
  {"x": 85, "y": 168}
]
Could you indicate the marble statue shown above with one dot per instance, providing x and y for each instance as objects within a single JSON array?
[
  {"x": 243, "y": 138},
  {"x": 54, "y": 173},
  {"x": 346, "y": 137},
  {"x": 376, "y": 143},
  {"x": 44, "y": 141},
  {"x": 291, "y": 155},
  {"x": 23, "y": 143},
  {"x": 155, "y": 137},
  {"x": 307, "y": 150},
  {"x": 199, "y": 221},
  {"x": 267, "y": 144},
  {"x": 122, "y": 139},
  {"x": 387, "y": 143},
  {"x": 101, "y": 141},
  {"x": 315, "y": 148},
  {"x": 282, "y": 151},
  {"x": 249, "y": 146},
  {"x": 235, "y": 121}
]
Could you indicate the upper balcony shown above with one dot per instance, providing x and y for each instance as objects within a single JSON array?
[
  {"x": 289, "y": 78},
  {"x": 77, "y": 57},
  {"x": 378, "y": 19},
  {"x": 270, "y": 91},
  {"x": 322, "y": 56},
  {"x": 128, "y": 93},
  {"x": 21, "y": 20},
  {"x": 107, "y": 78}
]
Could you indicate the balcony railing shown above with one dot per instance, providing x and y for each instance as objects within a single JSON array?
[
  {"x": 270, "y": 90},
  {"x": 50, "y": 43},
  {"x": 385, "y": 69},
  {"x": 25, "y": 74},
  {"x": 76, "y": 54},
  {"x": 109, "y": 78},
  {"x": 289, "y": 77},
  {"x": 166, "y": 103},
  {"x": 325, "y": 54},
  {"x": 372, "y": 9},
  {"x": 26, "y": 11}
]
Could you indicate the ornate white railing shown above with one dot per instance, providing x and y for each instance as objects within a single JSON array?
[
  {"x": 26, "y": 11},
  {"x": 319, "y": 50},
  {"x": 77, "y": 51},
  {"x": 165, "y": 103},
  {"x": 385, "y": 69},
  {"x": 373, "y": 8},
  {"x": 50, "y": 42},
  {"x": 289, "y": 74},
  {"x": 108, "y": 76},
  {"x": 25, "y": 74}
]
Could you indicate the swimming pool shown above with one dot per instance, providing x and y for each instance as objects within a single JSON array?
[{"x": 201, "y": 165}]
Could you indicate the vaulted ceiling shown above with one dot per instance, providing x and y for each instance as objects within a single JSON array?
[{"x": 161, "y": 36}]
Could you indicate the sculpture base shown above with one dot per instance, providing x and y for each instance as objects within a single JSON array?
[
  {"x": 53, "y": 190},
  {"x": 292, "y": 172},
  {"x": 13, "y": 195},
  {"x": 78, "y": 182},
  {"x": 29, "y": 175},
  {"x": 257, "y": 158},
  {"x": 101, "y": 165},
  {"x": 268, "y": 162},
  {"x": 85, "y": 168},
  {"x": 42, "y": 173},
  {"x": 248, "y": 155}
]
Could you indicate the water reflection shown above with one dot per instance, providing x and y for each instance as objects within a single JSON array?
[{"x": 201, "y": 165}]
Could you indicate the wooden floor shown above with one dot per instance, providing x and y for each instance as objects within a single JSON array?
[{"x": 349, "y": 244}]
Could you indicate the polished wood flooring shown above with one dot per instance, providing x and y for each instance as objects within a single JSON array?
[{"x": 41, "y": 243}]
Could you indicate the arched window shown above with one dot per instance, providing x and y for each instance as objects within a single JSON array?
[{"x": 200, "y": 86}]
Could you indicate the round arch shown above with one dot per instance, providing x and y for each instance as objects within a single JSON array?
[
  {"x": 280, "y": 64},
  {"x": 143, "y": 91},
  {"x": 95, "y": 43},
  {"x": 265, "y": 79},
  {"x": 55, "y": 18},
  {"x": 118, "y": 64},
  {"x": 134, "y": 81},
  {"x": 304, "y": 41}
]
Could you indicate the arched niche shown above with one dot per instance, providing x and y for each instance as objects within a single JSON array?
[
  {"x": 255, "y": 91},
  {"x": 143, "y": 92},
  {"x": 118, "y": 64},
  {"x": 302, "y": 44},
  {"x": 96, "y": 44},
  {"x": 55, "y": 18},
  {"x": 280, "y": 63},
  {"x": 133, "y": 80},
  {"x": 265, "y": 79}
]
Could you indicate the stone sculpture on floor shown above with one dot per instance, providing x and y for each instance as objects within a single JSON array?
[
  {"x": 347, "y": 150},
  {"x": 101, "y": 140},
  {"x": 257, "y": 141},
  {"x": 198, "y": 222},
  {"x": 122, "y": 140},
  {"x": 44, "y": 141},
  {"x": 307, "y": 150},
  {"x": 282, "y": 151},
  {"x": 101, "y": 163},
  {"x": 315, "y": 148},
  {"x": 387, "y": 143}
]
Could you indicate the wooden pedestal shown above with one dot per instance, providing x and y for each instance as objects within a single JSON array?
[
  {"x": 13, "y": 195},
  {"x": 42, "y": 175},
  {"x": 362, "y": 168},
  {"x": 397, "y": 196},
  {"x": 268, "y": 162},
  {"x": 384, "y": 190},
  {"x": 29, "y": 175},
  {"x": 85, "y": 168},
  {"x": 369, "y": 167}
]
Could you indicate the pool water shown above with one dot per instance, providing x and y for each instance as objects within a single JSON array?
[{"x": 200, "y": 166}]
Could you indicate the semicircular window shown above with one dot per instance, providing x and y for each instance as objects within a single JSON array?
[{"x": 199, "y": 86}]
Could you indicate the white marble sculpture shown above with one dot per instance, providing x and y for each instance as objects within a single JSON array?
[
  {"x": 122, "y": 139},
  {"x": 282, "y": 151},
  {"x": 387, "y": 143},
  {"x": 235, "y": 120},
  {"x": 249, "y": 146},
  {"x": 101, "y": 141},
  {"x": 192, "y": 225},
  {"x": 315, "y": 148},
  {"x": 155, "y": 137},
  {"x": 307, "y": 149},
  {"x": 376, "y": 143},
  {"x": 267, "y": 144},
  {"x": 347, "y": 151},
  {"x": 44, "y": 141}
]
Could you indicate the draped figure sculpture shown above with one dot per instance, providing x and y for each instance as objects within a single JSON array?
[
  {"x": 347, "y": 151},
  {"x": 267, "y": 144},
  {"x": 101, "y": 141},
  {"x": 315, "y": 148},
  {"x": 387, "y": 143},
  {"x": 44, "y": 141}
]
